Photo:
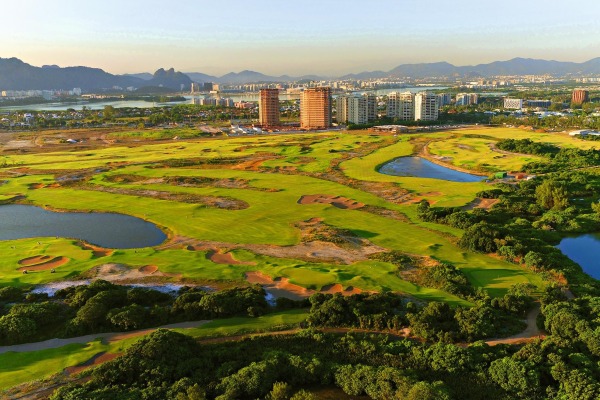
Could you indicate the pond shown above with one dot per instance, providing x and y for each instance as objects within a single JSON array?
[
  {"x": 419, "y": 167},
  {"x": 584, "y": 251},
  {"x": 114, "y": 231}
]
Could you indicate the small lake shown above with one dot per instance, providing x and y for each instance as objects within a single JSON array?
[
  {"x": 419, "y": 167},
  {"x": 584, "y": 251},
  {"x": 114, "y": 231}
]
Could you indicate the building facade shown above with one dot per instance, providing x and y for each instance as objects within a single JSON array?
[
  {"x": 426, "y": 107},
  {"x": 268, "y": 107},
  {"x": 580, "y": 96},
  {"x": 360, "y": 109},
  {"x": 401, "y": 106},
  {"x": 315, "y": 108},
  {"x": 513, "y": 103}
]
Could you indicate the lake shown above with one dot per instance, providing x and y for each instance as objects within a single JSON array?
[
  {"x": 419, "y": 167},
  {"x": 110, "y": 230},
  {"x": 584, "y": 251}
]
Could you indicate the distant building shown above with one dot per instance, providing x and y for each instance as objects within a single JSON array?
[
  {"x": 268, "y": 107},
  {"x": 401, "y": 106},
  {"x": 463, "y": 99},
  {"x": 360, "y": 109},
  {"x": 513, "y": 103},
  {"x": 467, "y": 99},
  {"x": 426, "y": 107},
  {"x": 539, "y": 103},
  {"x": 195, "y": 88},
  {"x": 580, "y": 96},
  {"x": 315, "y": 108},
  {"x": 444, "y": 99},
  {"x": 207, "y": 86}
]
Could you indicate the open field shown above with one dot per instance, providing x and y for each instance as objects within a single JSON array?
[
  {"x": 245, "y": 194},
  {"x": 474, "y": 148}
]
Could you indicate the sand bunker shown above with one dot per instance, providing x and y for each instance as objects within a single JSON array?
[
  {"x": 148, "y": 269},
  {"x": 34, "y": 260},
  {"x": 336, "y": 201},
  {"x": 42, "y": 263},
  {"x": 97, "y": 251},
  {"x": 225, "y": 258},
  {"x": 122, "y": 273},
  {"x": 281, "y": 287},
  {"x": 337, "y": 288}
]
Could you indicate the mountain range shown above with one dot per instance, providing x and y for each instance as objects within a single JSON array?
[{"x": 18, "y": 75}]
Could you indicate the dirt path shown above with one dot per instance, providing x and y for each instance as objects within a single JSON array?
[
  {"x": 106, "y": 337},
  {"x": 530, "y": 333}
]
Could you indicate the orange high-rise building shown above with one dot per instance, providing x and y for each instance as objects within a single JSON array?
[
  {"x": 268, "y": 107},
  {"x": 315, "y": 108},
  {"x": 580, "y": 96}
]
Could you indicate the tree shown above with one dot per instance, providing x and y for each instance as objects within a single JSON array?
[{"x": 552, "y": 195}]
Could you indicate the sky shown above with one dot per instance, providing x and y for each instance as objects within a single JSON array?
[{"x": 277, "y": 37}]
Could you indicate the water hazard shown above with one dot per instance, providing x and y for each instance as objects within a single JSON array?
[
  {"x": 115, "y": 231},
  {"x": 419, "y": 167},
  {"x": 584, "y": 251}
]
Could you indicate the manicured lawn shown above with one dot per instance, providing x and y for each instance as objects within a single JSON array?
[
  {"x": 271, "y": 217},
  {"x": 18, "y": 368}
]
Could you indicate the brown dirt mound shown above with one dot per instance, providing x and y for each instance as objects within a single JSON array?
[
  {"x": 53, "y": 263},
  {"x": 336, "y": 201},
  {"x": 148, "y": 269},
  {"x": 225, "y": 258},
  {"x": 34, "y": 260}
]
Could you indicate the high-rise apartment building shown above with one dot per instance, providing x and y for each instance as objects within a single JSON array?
[
  {"x": 315, "y": 108},
  {"x": 426, "y": 107},
  {"x": 268, "y": 107},
  {"x": 401, "y": 106},
  {"x": 360, "y": 109},
  {"x": 580, "y": 96}
]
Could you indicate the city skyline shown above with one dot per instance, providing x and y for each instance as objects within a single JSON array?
[{"x": 324, "y": 38}]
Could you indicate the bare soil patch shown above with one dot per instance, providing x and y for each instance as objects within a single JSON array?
[
  {"x": 50, "y": 264},
  {"x": 336, "y": 201},
  {"x": 481, "y": 203},
  {"x": 96, "y": 360},
  {"x": 228, "y": 203}
]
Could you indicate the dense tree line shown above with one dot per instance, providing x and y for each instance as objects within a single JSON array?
[
  {"x": 489, "y": 317},
  {"x": 528, "y": 220},
  {"x": 565, "y": 365},
  {"x": 104, "y": 307},
  {"x": 557, "y": 159}
]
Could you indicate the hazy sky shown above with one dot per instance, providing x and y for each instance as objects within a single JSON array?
[{"x": 327, "y": 37}]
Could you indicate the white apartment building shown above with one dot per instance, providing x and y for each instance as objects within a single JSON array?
[
  {"x": 513, "y": 103},
  {"x": 426, "y": 107},
  {"x": 401, "y": 106},
  {"x": 356, "y": 109}
]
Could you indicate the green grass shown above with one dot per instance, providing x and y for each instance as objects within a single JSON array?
[
  {"x": 270, "y": 218},
  {"x": 18, "y": 368},
  {"x": 467, "y": 150},
  {"x": 245, "y": 325}
]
